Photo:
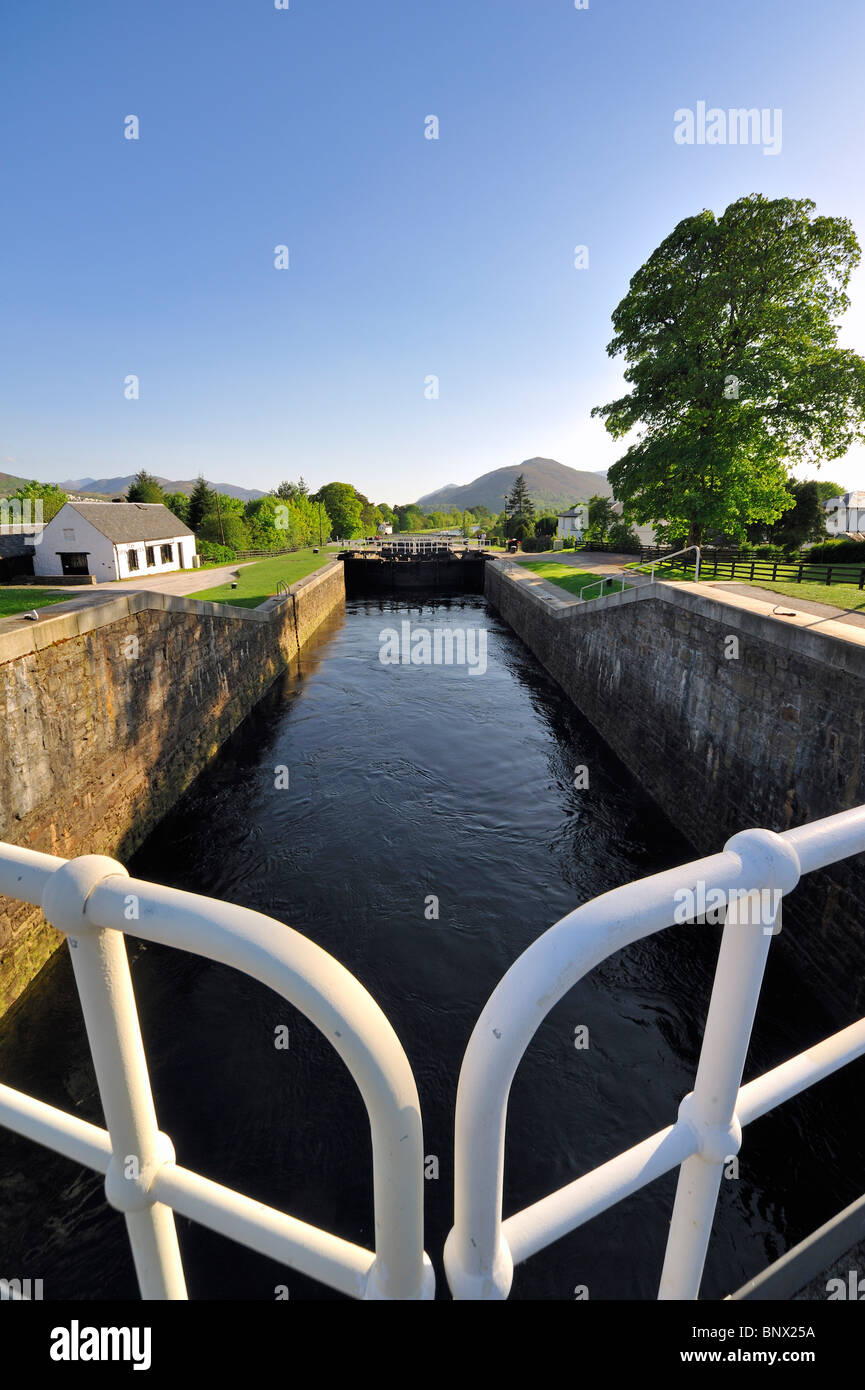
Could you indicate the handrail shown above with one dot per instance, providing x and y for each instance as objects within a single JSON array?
[
  {"x": 662, "y": 560},
  {"x": 95, "y": 902},
  {"x": 482, "y": 1249},
  {"x": 606, "y": 578}
]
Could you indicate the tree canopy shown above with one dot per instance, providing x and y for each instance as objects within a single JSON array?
[
  {"x": 803, "y": 522},
  {"x": 202, "y": 500},
  {"x": 49, "y": 494},
  {"x": 144, "y": 488},
  {"x": 344, "y": 507},
  {"x": 519, "y": 504},
  {"x": 729, "y": 332}
]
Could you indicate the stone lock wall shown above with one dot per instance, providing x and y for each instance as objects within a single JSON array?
[
  {"x": 772, "y": 738},
  {"x": 108, "y": 714}
]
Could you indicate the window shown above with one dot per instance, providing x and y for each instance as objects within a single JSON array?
[
  {"x": 168, "y": 555},
  {"x": 68, "y": 533},
  {"x": 150, "y": 553},
  {"x": 132, "y": 557},
  {"x": 73, "y": 562}
]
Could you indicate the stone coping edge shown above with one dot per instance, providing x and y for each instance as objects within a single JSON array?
[{"x": 34, "y": 637}]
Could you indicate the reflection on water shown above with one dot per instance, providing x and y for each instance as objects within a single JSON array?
[{"x": 405, "y": 782}]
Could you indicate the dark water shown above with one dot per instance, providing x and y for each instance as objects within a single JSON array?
[{"x": 406, "y": 782}]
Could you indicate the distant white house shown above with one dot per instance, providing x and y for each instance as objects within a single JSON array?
[
  {"x": 573, "y": 523},
  {"x": 845, "y": 516},
  {"x": 384, "y": 528},
  {"x": 114, "y": 540}
]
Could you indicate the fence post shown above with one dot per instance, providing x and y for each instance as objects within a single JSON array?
[
  {"x": 862, "y": 578},
  {"x": 752, "y": 569},
  {"x": 138, "y": 1150},
  {"x": 769, "y": 863},
  {"x": 829, "y": 575},
  {"x": 775, "y": 570},
  {"x": 799, "y": 576}
]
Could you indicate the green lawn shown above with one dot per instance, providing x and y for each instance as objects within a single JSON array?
[
  {"x": 708, "y": 576},
  {"x": 567, "y": 577},
  {"x": 256, "y": 583},
  {"x": 846, "y": 596},
  {"x": 22, "y": 600}
]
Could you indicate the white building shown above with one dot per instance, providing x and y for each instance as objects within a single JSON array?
[
  {"x": 845, "y": 516},
  {"x": 384, "y": 528},
  {"x": 114, "y": 540},
  {"x": 573, "y": 523}
]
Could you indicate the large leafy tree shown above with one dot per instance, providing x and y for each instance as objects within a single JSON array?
[
  {"x": 225, "y": 522},
  {"x": 370, "y": 518},
  {"x": 804, "y": 521},
  {"x": 825, "y": 490},
  {"x": 344, "y": 507},
  {"x": 178, "y": 503},
  {"x": 729, "y": 332},
  {"x": 49, "y": 494}
]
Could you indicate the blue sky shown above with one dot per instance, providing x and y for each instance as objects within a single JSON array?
[{"x": 409, "y": 257}]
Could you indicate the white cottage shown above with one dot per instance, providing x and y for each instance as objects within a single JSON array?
[
  {"x": 114, "y": 540},
  {"x": 845, "y": 516},
  {"x": 573, "y": 523}
]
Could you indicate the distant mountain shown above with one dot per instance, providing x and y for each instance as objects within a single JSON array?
[
  {"x": 111, "y": 486},
  {"x": 9, "y": 483},
  {"x": 551, "y": 486}
]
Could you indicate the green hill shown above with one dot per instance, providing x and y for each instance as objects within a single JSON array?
[
  {"x": 9, "y": 483},
  {"x": 552, "y": 487}
]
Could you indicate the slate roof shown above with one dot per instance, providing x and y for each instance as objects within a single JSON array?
[{"x": 130, "y": 521}]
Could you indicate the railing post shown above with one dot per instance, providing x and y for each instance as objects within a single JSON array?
[
  {"x": 138, "y": 1149},
  {"x": 769, "y": 864}
]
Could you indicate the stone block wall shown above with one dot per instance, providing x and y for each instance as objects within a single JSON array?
[
  {"x": 108, "y": 713},
  {"x": 771, "y": 737}
]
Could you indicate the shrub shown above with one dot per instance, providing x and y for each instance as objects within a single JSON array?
[
  {"x": 209, "y": 550},
  {"x": 533, "y": 544},
  {"x": 620, "y": 536},
  {"x": 836, "y": 552}
]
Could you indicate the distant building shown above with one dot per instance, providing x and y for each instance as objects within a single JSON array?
[
  {"x": 384, "y": 528},
  {"x": 114, "y": 540},
  {"x": 845, "y": 516},
  {"x": 573, "y": 524}
]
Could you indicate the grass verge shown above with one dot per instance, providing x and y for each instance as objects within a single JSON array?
[
  {"x": 566, "y": 577},
  {"x": 22, "y": 600},
  {"x": 257, "y": 583}
]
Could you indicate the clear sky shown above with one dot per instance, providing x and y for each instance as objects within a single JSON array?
[{"x": 408, "y": 257}]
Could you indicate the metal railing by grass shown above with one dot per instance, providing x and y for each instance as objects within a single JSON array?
[{"x": 606, "y": 583}]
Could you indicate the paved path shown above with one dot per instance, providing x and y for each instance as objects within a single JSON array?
[
  {"x": 798, "y": 605},
  {"x": 178, "y": 582}
]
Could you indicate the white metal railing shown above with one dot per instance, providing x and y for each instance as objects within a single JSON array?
[
  {"x": 94, "y": 901},
  {"x": 605, "y": 579},
  {"x": 663, "y": 560},
  {"x": 755, "y": 870},
  {"x": 414, "y": 545}
]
